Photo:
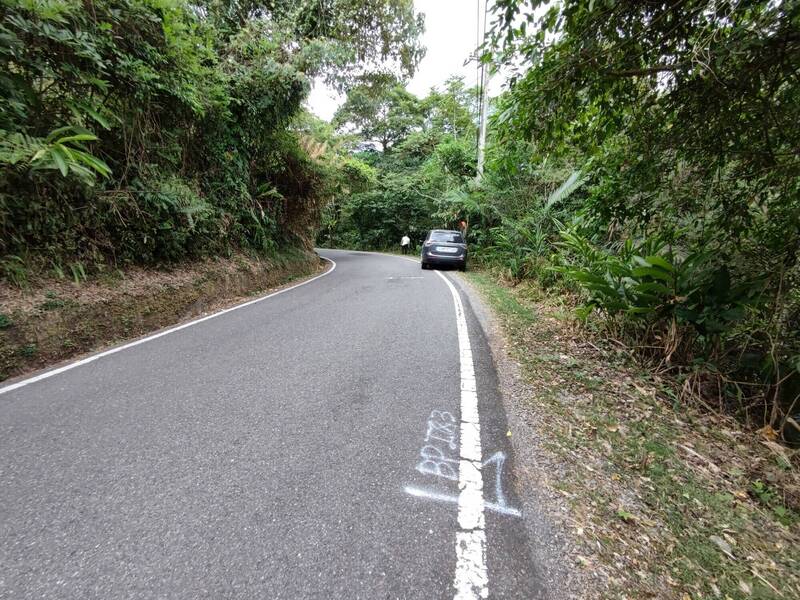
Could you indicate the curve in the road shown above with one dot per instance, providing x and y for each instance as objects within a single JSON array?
[
  {"x": 282, "y": 451},
  {"x": 93, "y": 357}
]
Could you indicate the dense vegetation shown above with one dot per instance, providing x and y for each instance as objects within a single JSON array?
[
  {"x": 644, "y": 161},
  {"x": 148, "y": 131},
  {"x": 413, "y": 155}
]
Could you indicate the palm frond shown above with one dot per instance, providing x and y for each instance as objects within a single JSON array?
[{"x": 566, "y": 189}]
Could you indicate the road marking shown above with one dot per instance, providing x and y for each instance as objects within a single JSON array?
[
  {"x": 148, "y": 338},
  {"x": 434, "y": 495},
  {"x": 471, "y": 578}
]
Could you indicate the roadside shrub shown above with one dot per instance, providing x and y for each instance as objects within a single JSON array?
[
  {"x": 153, "y": 131},
  {"x": 646, "y": 283}
]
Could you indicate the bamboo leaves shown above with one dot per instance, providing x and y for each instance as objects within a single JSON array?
[{"x": 63, "y": 150}]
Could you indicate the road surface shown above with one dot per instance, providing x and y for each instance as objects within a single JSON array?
[{"x": 318, "y": 443}]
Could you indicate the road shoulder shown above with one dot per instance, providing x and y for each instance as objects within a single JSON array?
[
  {"x": 535, "y": 467},
  {"x": 654, "y": 497},
  {"x": 56, "y": 322}
]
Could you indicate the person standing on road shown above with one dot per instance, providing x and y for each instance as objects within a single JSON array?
[{"x": 405, "y": 244}]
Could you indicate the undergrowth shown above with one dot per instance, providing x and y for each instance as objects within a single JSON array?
[{"x": 666, "y": 500}]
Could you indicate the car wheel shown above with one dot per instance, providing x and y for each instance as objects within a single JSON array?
[
  {"x": 462, "y": 267},
  {"x": 424, "y": 266}
]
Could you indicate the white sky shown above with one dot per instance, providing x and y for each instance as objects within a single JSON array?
[{"x": 450, "y": 36}]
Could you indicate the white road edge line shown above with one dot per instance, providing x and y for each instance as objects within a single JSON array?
[
  {"x": 148, "y": 338},
  {"x": 471, "y": 577}
]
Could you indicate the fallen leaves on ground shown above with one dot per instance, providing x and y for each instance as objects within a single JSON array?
[{"x": 666, "y": 500}]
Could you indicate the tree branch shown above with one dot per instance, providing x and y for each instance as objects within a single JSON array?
[{"x": 649, "y": 70}]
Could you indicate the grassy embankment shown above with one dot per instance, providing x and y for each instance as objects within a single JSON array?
[
  {"x": 52, "y": 320},
  {"x": 666, "y": 500}
]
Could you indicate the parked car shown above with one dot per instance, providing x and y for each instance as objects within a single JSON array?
[{"x": 443, "y": 247}]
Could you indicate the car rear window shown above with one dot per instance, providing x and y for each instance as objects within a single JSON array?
[{"x": 446, "y": 236}]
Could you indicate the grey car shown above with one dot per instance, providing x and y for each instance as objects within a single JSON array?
[{"x": 444, "y": 247}]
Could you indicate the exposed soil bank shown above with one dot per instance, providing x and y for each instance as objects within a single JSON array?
[{"x": 54, "y": 320}]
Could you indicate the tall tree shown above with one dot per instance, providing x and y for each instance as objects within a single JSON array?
[
  {"x": 344, "y": 40},
  {"x": 148, "y": 130},
  {"x": 453, "y": 110},
  {"x": 382, "y": 114},
  {"x": 703, "y": 94}
]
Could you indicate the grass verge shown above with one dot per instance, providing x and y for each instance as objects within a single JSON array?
[
  {"x": 53, "y": 320},
  {"x": 665, "y": 501}
]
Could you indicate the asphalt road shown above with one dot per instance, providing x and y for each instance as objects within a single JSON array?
[{"x": 276, "y": 451}]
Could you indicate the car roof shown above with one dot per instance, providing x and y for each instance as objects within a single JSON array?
[{"x": 444, "y": 231}]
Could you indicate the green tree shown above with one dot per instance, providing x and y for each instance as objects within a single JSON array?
[
  {"x": 452, "y": 111},
  {"x": 709, "y": 88},
  {"x": 344, "y": 40},
  {"x": 684, "y": 117},
  {"x": 382, "y": 114},
  {"x": 153, "y": 130}
]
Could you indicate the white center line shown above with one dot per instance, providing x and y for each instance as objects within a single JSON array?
[{"x": 471, "y": 577}]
